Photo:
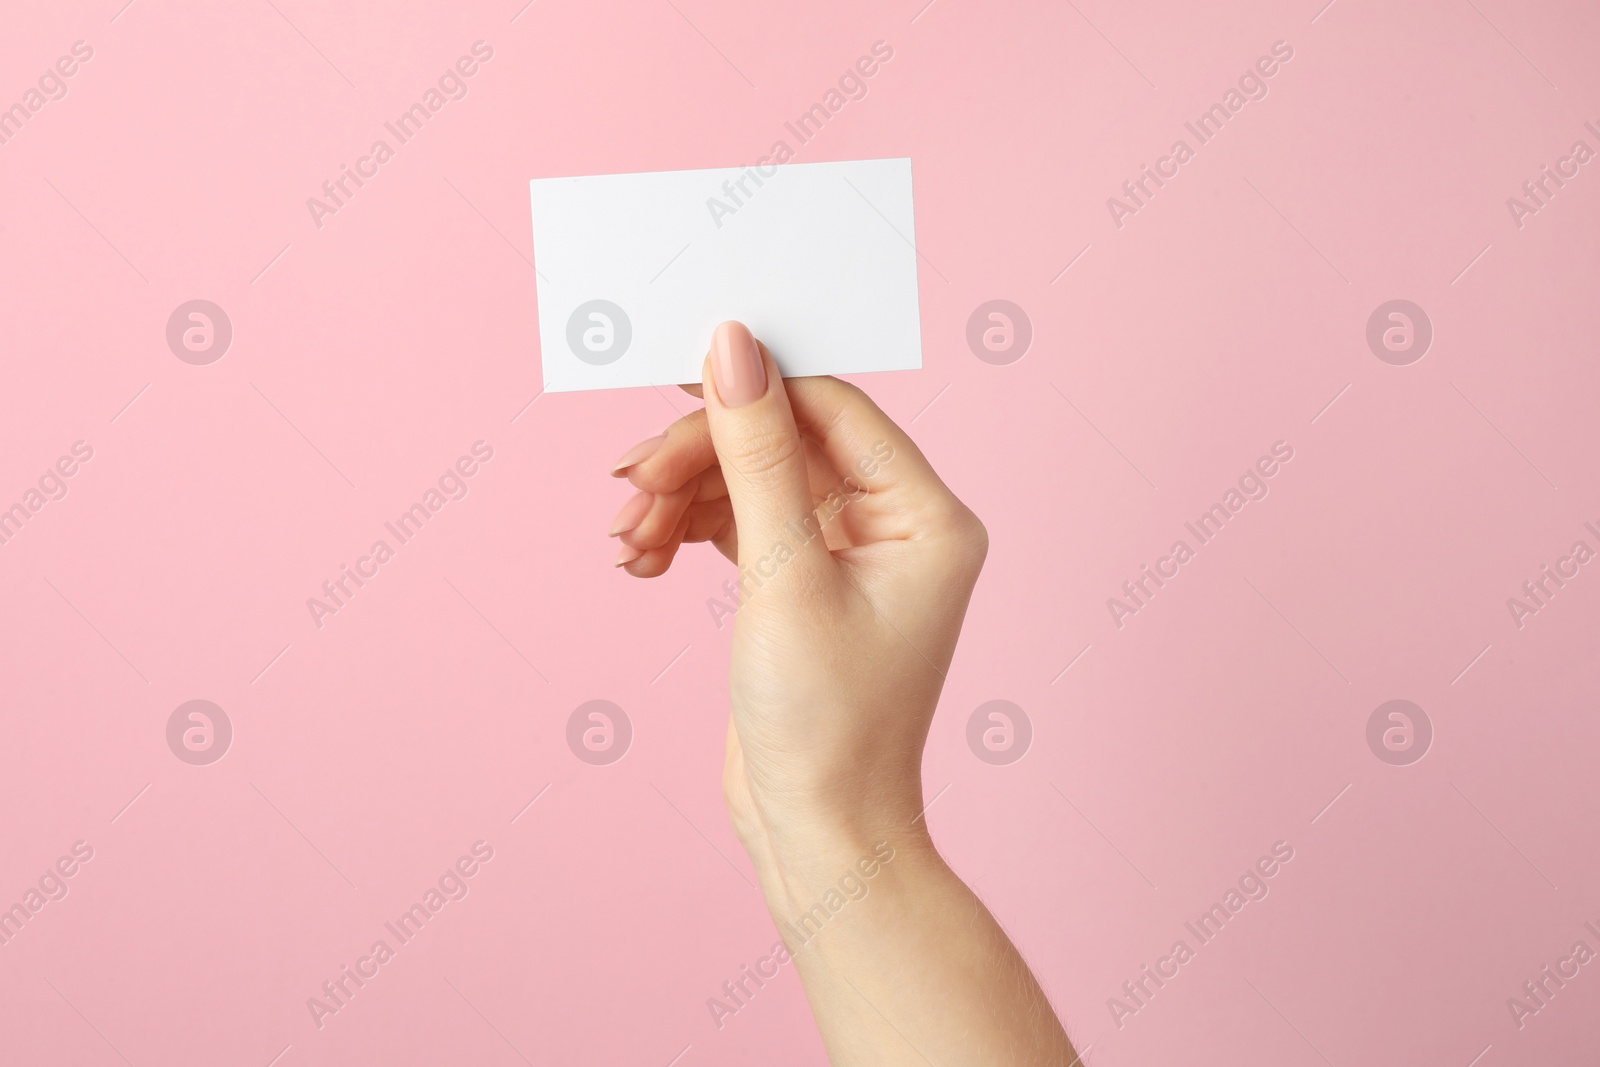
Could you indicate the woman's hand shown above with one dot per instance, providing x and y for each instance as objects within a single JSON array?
[{"x": 855, "y": 566}]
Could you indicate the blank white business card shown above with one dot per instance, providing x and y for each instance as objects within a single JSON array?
[{"x": 636, "y": 270}]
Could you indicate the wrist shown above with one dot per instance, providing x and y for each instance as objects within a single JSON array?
[{"x": 812, "y": 865}]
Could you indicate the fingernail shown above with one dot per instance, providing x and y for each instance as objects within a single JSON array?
[
  {"x": 627, "y": 555},
  {"x": 736, "y": 367},
  {"x": 637, "y": 454},
  {"x": 632, "y": 513}
]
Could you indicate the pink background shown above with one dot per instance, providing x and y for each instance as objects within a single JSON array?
[{"x": 370, "y": 353}]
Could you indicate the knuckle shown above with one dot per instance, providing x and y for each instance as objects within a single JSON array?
[
  {"x": 855, "y": 398},
  {"x": 977, "y": 534},
  {"x": 762, "y": 451},
  {"x": 967, "y": 538}
]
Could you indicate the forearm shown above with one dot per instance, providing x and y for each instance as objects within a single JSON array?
[
  {"x": 913, "y": 969},
  {"x": 834, "y": 675}
]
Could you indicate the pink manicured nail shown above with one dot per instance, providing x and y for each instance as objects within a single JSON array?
[
  {"x": 736, "y": 367},
  {"x": 627, "y": 555},
  {"x": 632, "y": 513},
  {"x": 637, "y": 454}
]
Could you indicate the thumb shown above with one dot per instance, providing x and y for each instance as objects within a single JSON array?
[{"x": 762, "y": 455}]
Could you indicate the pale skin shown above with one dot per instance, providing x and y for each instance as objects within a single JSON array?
[{"x": 839, "y": 652}]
